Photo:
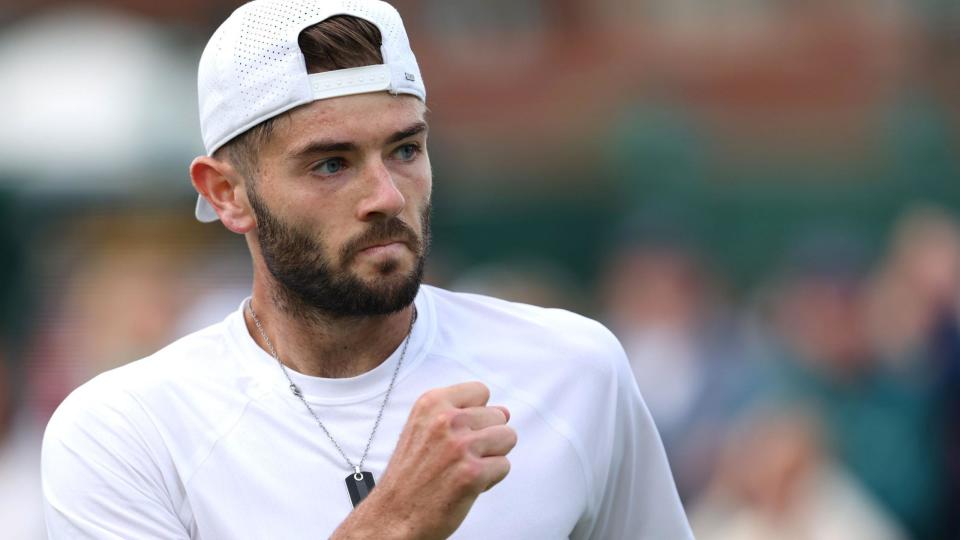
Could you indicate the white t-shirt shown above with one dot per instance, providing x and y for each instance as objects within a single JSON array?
[{"x": 204, "y": 439}]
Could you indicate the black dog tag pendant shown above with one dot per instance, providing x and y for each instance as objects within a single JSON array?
[{"x": 359, "y": 485}]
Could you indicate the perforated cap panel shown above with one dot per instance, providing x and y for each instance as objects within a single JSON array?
[{"x": 252, "y": 68}]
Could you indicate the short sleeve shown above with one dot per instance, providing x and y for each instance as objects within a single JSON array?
[
  {"x": 637, "y": 496},
  {"x": 101, "y": 472}
]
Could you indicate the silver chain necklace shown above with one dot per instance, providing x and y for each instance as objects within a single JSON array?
[{"x": 360, "y": 482}]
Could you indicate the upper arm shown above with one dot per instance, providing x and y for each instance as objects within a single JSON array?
[
  {"x": 104, "y": 472},
  {"x": 637, "y": 496}
]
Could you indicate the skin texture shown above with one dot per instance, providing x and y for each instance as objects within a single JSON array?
[{"x": 358, "y": 205}]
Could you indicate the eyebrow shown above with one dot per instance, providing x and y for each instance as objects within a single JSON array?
[
  {"x": 415, "y": 129},
  {"x": 329, "y": 146}
]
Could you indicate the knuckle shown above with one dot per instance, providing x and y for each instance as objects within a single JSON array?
[
  {"x": 427, "y": 401},
  {"x": 459, "y": 418},
  {"x": 442, "y": 421},
  {"x": 456, "y": 449},
  {"x": 469, "y": 471},
  {"x": 460, "y": 446}
]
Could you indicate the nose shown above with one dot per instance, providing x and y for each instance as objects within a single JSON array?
[{"x": 382, "y": 199}]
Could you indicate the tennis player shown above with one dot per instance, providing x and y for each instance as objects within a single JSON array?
[{"x": 343, "y": 399}]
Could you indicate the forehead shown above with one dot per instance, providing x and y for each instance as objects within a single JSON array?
[{"x": 362, "y": 119}]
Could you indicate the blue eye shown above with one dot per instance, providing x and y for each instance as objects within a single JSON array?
[
  {"x": 408, "y": 151},
  {"x": 329, "y": 166}
]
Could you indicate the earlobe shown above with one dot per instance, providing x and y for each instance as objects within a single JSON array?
[{"x": 222, "y": 186}]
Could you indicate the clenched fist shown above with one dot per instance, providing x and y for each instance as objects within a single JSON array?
[{"x": 452, "y": 448}]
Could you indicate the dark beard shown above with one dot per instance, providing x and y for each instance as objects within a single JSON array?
[{"x": 310, "y": 284}]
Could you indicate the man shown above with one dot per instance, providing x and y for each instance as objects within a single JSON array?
[{"x": 343, "y": 399}]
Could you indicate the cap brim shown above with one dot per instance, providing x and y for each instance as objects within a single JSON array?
[{"x": 204, "y": 211}]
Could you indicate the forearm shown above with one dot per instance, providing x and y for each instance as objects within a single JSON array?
[{"x": 371, "y": 519}]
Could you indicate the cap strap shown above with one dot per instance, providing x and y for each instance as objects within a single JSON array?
[{"x": 345, "y": 82}]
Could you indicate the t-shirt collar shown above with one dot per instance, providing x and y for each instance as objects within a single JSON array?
[{"x": 326, "y": 391}]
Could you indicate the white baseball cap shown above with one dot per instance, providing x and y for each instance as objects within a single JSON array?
[{"x": 252, "y": 68}]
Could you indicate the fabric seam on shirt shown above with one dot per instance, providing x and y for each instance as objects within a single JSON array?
[
  {"x": 219, "y": 437},
  {"x": 153, "y": 424}
]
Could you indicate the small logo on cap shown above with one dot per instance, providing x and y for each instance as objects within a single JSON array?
[{"x": 409, "y": 76}]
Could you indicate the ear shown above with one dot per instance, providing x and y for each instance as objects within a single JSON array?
[{"x": 218, "y": 182}]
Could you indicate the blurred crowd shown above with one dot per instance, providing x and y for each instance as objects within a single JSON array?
[
  {"x": 820, "y": 404},
  {"x": 760, "y": 198}
]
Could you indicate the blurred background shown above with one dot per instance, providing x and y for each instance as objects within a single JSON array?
[{"x": 760, "y": 197}]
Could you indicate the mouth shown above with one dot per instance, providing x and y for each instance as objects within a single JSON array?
[
  {"x": 388, "y": 247},
  {"x": 387, "y": 239}
]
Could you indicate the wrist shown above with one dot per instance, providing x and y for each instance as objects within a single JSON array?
[{"x": 370, "y": 520}]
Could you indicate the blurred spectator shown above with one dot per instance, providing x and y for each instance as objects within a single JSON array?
[
  {"x": 916, "y": 286},
  {"x": 914, "y": 316},
  {"x": 877, "y": 420},
  {"x": 661, "y": 301},
  {"x": 775, "y": 479},
  {"x": 118, "y": 294}
]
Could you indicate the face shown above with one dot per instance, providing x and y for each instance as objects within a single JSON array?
[{"x": 342, "y": 204}]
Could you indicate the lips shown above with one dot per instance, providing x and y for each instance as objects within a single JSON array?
[
  {"x": 392, "y": 248},
  {"x": 390, "y": 237},
  {"x": 385, "y": 244},
  {"x": 384, "y": 248}
]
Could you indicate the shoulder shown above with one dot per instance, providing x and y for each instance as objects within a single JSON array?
[
  {"x": 176, "y": 364},
  {"x": 149, "y": 400},
  {"x": 542, "y": 337},
  {"x": 133, "y": 436},
  {"x": 512, "y": 319}
]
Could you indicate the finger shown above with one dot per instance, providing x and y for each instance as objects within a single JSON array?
[
  {"x": 494, "y": 441},
  {"x": 468, "y": 394},
  {"x": 479, "y": 417},
  {"x": 506, "y": 411},
  {"x": 495, "y": 470}
]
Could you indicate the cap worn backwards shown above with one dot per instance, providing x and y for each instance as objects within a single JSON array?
[{"x": 252, "y": 68}]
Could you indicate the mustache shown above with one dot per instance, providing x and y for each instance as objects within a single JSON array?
[{"x": 390, "y": 230}]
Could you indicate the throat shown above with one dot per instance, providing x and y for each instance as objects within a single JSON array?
[
  {"x": 332, "y": 349},
  {"x": 341, "y": 364}
]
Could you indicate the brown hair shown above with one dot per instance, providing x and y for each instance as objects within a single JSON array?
[{"x": 339, "y": 42}]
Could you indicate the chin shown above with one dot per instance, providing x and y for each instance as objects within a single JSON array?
[
  {"x": 392, "y": 268},
  {"x": 392, "y": 295}
]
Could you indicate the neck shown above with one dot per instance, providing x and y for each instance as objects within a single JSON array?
[{"x": 327, "y": 346}]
